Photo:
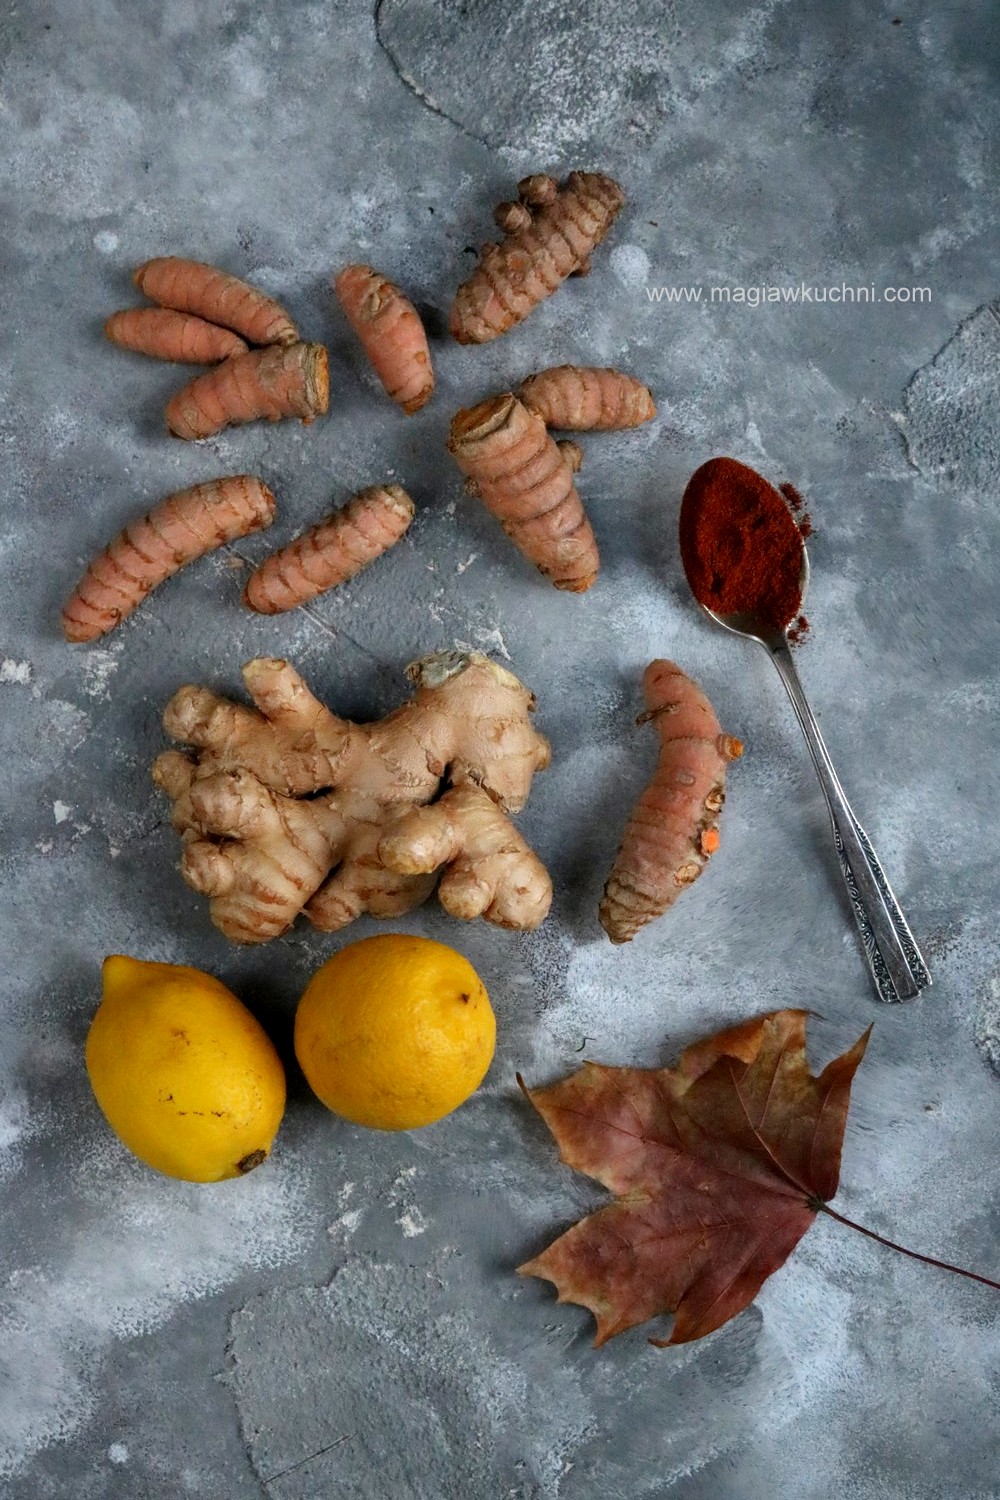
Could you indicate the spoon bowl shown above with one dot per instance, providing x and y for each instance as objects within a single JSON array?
[{"x": 749, "y": 623}]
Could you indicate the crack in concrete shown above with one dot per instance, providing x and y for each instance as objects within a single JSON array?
[
  {"x": 412, "y": 84},
  {"x": 307, "y": 1460}
]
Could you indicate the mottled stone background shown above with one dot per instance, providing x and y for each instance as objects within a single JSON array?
[{"x": 345, "y": 1321}]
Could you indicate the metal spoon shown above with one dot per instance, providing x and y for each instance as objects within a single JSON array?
[{"x": 895, "y": 961}]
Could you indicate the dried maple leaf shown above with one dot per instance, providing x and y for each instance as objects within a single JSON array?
[{"x": 719, "y": 1167}]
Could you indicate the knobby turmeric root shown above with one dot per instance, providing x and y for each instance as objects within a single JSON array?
[
  {"x": 286, "y": 807},
  {"x": 524, "y": 480},
  {"x": 580, "y": 399},
  {"x": 550, "y": 234},
  {"x": 673, "y": 830},
  {"x": 332, "y": 551},
  {"x": 572, "y": 454},
  {"x": 290, "y": 380},
  {"x": 177, "y": 336},
  {"x": 181, "y": 528},
  {"x": 391, "y": 334},
  {"x": 192, "y": 287}
]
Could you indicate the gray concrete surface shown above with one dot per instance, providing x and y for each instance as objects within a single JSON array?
[{"x": 346, "y": 1321}]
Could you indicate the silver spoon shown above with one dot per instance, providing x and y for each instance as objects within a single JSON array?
[{"x": 895, "y": 961}]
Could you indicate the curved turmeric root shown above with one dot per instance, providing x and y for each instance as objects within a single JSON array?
[
  {"x": 550, "y": 234},
  {"x": 282, "y": 381},
  {"x": 525, "y": 481},
  {"x": 191, "y": 286},
  {"x": 177, "y": 336},
  {"x": 391, "y": 333},
  {"x": 673, "y": 830},
  {"x": 181, "y": 528},
  {"x": 581, "y": 399},
  {"x": 285, "y": 807},
  {"x": 332, "y": 551}
]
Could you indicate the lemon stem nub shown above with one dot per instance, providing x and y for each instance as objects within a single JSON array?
[{"x": 252, "y": 1159}]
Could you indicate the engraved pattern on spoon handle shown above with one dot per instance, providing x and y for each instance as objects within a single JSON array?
[
  {"x": 920, "y": 976},
  {"x": 895, "y": 961}
]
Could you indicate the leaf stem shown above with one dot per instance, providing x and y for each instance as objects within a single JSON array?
[{"x": 928, "y": 1260}]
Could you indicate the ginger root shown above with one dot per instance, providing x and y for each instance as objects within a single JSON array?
[
  {"x": 190, "y": 286},
  {"x": 526, "y": 481},
  {"x": 332, "y": 551},
  {"x": 290, "y": 380},
  {"x": 391, "y": 334},
  {"x": 286, "y": 807},
  {"x": 181, "y": 528},
  {"x": 177, "y": 336},
  {"x": 550, "y": 234},
  {"x": 582, "y": 399},
  {"x": 673, "y": 830}
]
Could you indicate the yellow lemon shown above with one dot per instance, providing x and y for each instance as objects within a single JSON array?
[
  {"x": 395, "y": 1031},
  {"x": 185, "y": 1075}
]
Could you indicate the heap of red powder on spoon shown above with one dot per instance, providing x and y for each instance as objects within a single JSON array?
[{"x": 741, "y": 546}]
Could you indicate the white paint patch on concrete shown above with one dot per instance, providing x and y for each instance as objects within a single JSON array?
[
  {"x": 19, "y": 672},
  {"x": 630, "y": 264},
  {"x": 98, "y": 667},
  {"x": 492, "y": 640},
  {"x": 17, "y": 1126},
  {"x": 105, "y": 242},
  {"x": 412, "y": 1222}
]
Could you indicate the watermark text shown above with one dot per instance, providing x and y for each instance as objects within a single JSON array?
[{"x": 803, "y": 293}]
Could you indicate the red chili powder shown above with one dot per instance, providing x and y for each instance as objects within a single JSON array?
[
  {"x": 803, "y": 519},
  {"x": 740, "y": 545}
]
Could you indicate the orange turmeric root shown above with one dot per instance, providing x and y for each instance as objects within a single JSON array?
[
  {"x": 282, "y": 381},
  {"x": 391, "y": 334},
  {"x": 165, "y": 334},
  {"x": 550, "y": 234},
  {"x": 192, "y": 287},
  {"x": 182, "y": 527},
  {"x": 673, "y": 830},
  {"x": 332, "y": 551},
  {"x": 525, "y": 481},
  {"x": 580, "y": 399}
]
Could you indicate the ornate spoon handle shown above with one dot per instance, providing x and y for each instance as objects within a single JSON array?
[{"x": 895, "y": 961}]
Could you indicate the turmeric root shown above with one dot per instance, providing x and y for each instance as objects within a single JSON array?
[
  {"x": 192, "y": 287},
  {"x": 332, "y": 551},
  {"x": 550, "y": 234},
  {"x": 177, "y": 336},
  {"x": 581, "y": 399},
  {"x": 673, "y": 830},
  {"x": 290, "y": 380},
  {"x": 391, "y": 334},
  {"x": 572, "y": 454},
  {"x": 525, "y": 481},
  {"x": 274, "y": 799},
  {"x": 182, "y": 527}
]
